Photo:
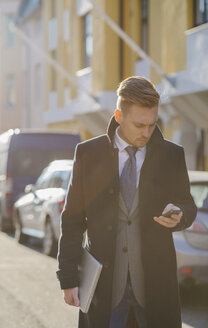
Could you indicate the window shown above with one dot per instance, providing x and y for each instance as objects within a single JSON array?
[
  {"x": 38, "y": 84},
  {"x": 87, "y": 39},
  {"x": 10, "y": 91},
  {"x": 53, "y": 79},
  {"x": 24, "y": 160},
  {"x": 53, "y": 179},
  {"x": 52, "y": 28},
  {"x": 44, "y": 180},
  {"x": 200, "y": 12},
  {"x": 144, "y": 25},
  {"x": 38, "y": 25},
  {"x": 60, "y": 179},
  {"x": 25, "y": 88},
  {"x": 83, "y": 7},
  {"x": 10, "y": 37},
  {"x": 52, "y": 36},
  {"x": 66, "y": 25}
]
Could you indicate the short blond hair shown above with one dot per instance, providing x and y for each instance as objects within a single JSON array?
[{"x": 136, "y": 90}]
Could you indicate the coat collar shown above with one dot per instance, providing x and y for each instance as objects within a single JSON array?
[{"x": 156, "y": 138}]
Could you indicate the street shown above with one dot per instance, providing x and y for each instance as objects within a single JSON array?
[{"x": 31, "y": 298}]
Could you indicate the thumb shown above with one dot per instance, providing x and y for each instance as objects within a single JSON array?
[{"x": 167, "y": 208}]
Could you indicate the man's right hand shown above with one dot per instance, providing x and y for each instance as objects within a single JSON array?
[{"x": 71, "y": 296}]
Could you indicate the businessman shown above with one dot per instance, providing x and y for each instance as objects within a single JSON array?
[{"x": 123, "y": 184}]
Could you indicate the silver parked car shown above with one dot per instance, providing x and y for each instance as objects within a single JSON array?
[
  {"x": 192, "y": 244},
  {"x": 37, "y": 212}
]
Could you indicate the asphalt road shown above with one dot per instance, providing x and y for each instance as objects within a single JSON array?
[
  {"x": 195, "y": 307},
  {"x": 30, "y": 296}
]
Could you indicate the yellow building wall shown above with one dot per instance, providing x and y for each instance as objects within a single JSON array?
[
  {"x": 168, "y": 20},
  {"x": 132, "y": 27},
  {"x": 47, "y": 69},
  {"x": 190, "y": 13},
  {"x": 105, "y": 60},
  {"x": 98, "y": 65},
  {"x": 66, "y": 49},
  {"x": 67, "y": 54},
  {"x": 74, "y": 56},
  {"x": 59, "y": 8},
  {"x": 167, "y": 42},
  {"x": 173, "y": 125}
]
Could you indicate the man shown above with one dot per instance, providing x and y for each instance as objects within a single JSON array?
[{"x": 122, "y": 183}]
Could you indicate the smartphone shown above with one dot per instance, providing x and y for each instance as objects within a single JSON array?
[{"x": 169, "y": 213}]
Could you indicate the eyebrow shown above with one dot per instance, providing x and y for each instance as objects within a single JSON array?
[{"x": 146, "y": 124}]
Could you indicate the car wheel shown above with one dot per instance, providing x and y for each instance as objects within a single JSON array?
[
  {"x": 49, "y": 241},
  {"x": 20, "y": 237},
  {"x": 187, "y": 286}
]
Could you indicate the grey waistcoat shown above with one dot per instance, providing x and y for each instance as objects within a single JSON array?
[{"x": 128, "y": 254}]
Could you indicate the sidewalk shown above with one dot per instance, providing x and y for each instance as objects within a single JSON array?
[{"x": 30, "y": 295}]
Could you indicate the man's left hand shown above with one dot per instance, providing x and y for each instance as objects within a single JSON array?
[{"x": 173, "y": 220}]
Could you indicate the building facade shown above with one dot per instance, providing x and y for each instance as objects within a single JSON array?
[
  {"x": 22, "y": 68},
  {"x": 29, "y": 20},
  {"x": 73, "y": 87},
  {"x": 173, "y": 34},
  {"x": 10, "y": 72}
]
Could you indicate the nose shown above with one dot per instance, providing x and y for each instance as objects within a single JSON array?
[{"x": 146, "y": 132}]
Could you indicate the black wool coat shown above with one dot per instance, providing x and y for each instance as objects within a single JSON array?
[{"x": 92, "y": 204}]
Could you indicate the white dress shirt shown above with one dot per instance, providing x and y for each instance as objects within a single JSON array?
[{"x": 123, "y": 155}]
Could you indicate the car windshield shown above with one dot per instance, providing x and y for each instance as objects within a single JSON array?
[
  {"x": 199, "y": 192},
  {"x": 53, "y": 179},
  {"x": 30, "y": 162}
]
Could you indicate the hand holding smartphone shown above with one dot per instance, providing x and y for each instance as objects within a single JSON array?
[
  {"x": 170, "y": 212},
  {"x": 171, "y": 222}
]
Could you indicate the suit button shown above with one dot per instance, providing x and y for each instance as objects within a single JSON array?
[
  {"x": 125, "y": 249},
  {"x": 129, "y": 222},
  {"x": 106, "y": 265},
  {"x": 109, "y": 227},
  {"x": 111, "y": 191}
]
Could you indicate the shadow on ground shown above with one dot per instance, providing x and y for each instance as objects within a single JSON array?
[{"x": 33, "y": 243}]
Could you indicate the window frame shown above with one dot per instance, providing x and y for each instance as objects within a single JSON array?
[
  {"x": 10, "y": 40},
  {"x": 11, "y": 90},
  {"x": 87, "y": 37},
  {"x": 204, "y": 14}
]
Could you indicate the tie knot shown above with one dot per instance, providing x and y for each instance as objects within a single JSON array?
[{"x": 131, "y": 150}]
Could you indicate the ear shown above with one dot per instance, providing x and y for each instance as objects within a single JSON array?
[{"x": 118, "y": 115}]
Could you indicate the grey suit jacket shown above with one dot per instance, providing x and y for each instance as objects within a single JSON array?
[{"x": 128, "y": 254}]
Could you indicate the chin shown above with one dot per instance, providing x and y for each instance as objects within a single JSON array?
[{"x": 141, "y": 144}]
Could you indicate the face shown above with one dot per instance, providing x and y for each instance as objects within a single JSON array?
[{"x": 137, "y": 126}]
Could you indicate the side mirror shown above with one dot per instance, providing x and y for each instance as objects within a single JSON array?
[{"x": 29, "y": 188}]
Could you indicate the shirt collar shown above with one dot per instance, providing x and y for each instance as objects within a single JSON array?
[{"x": 122, "y": 144}]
